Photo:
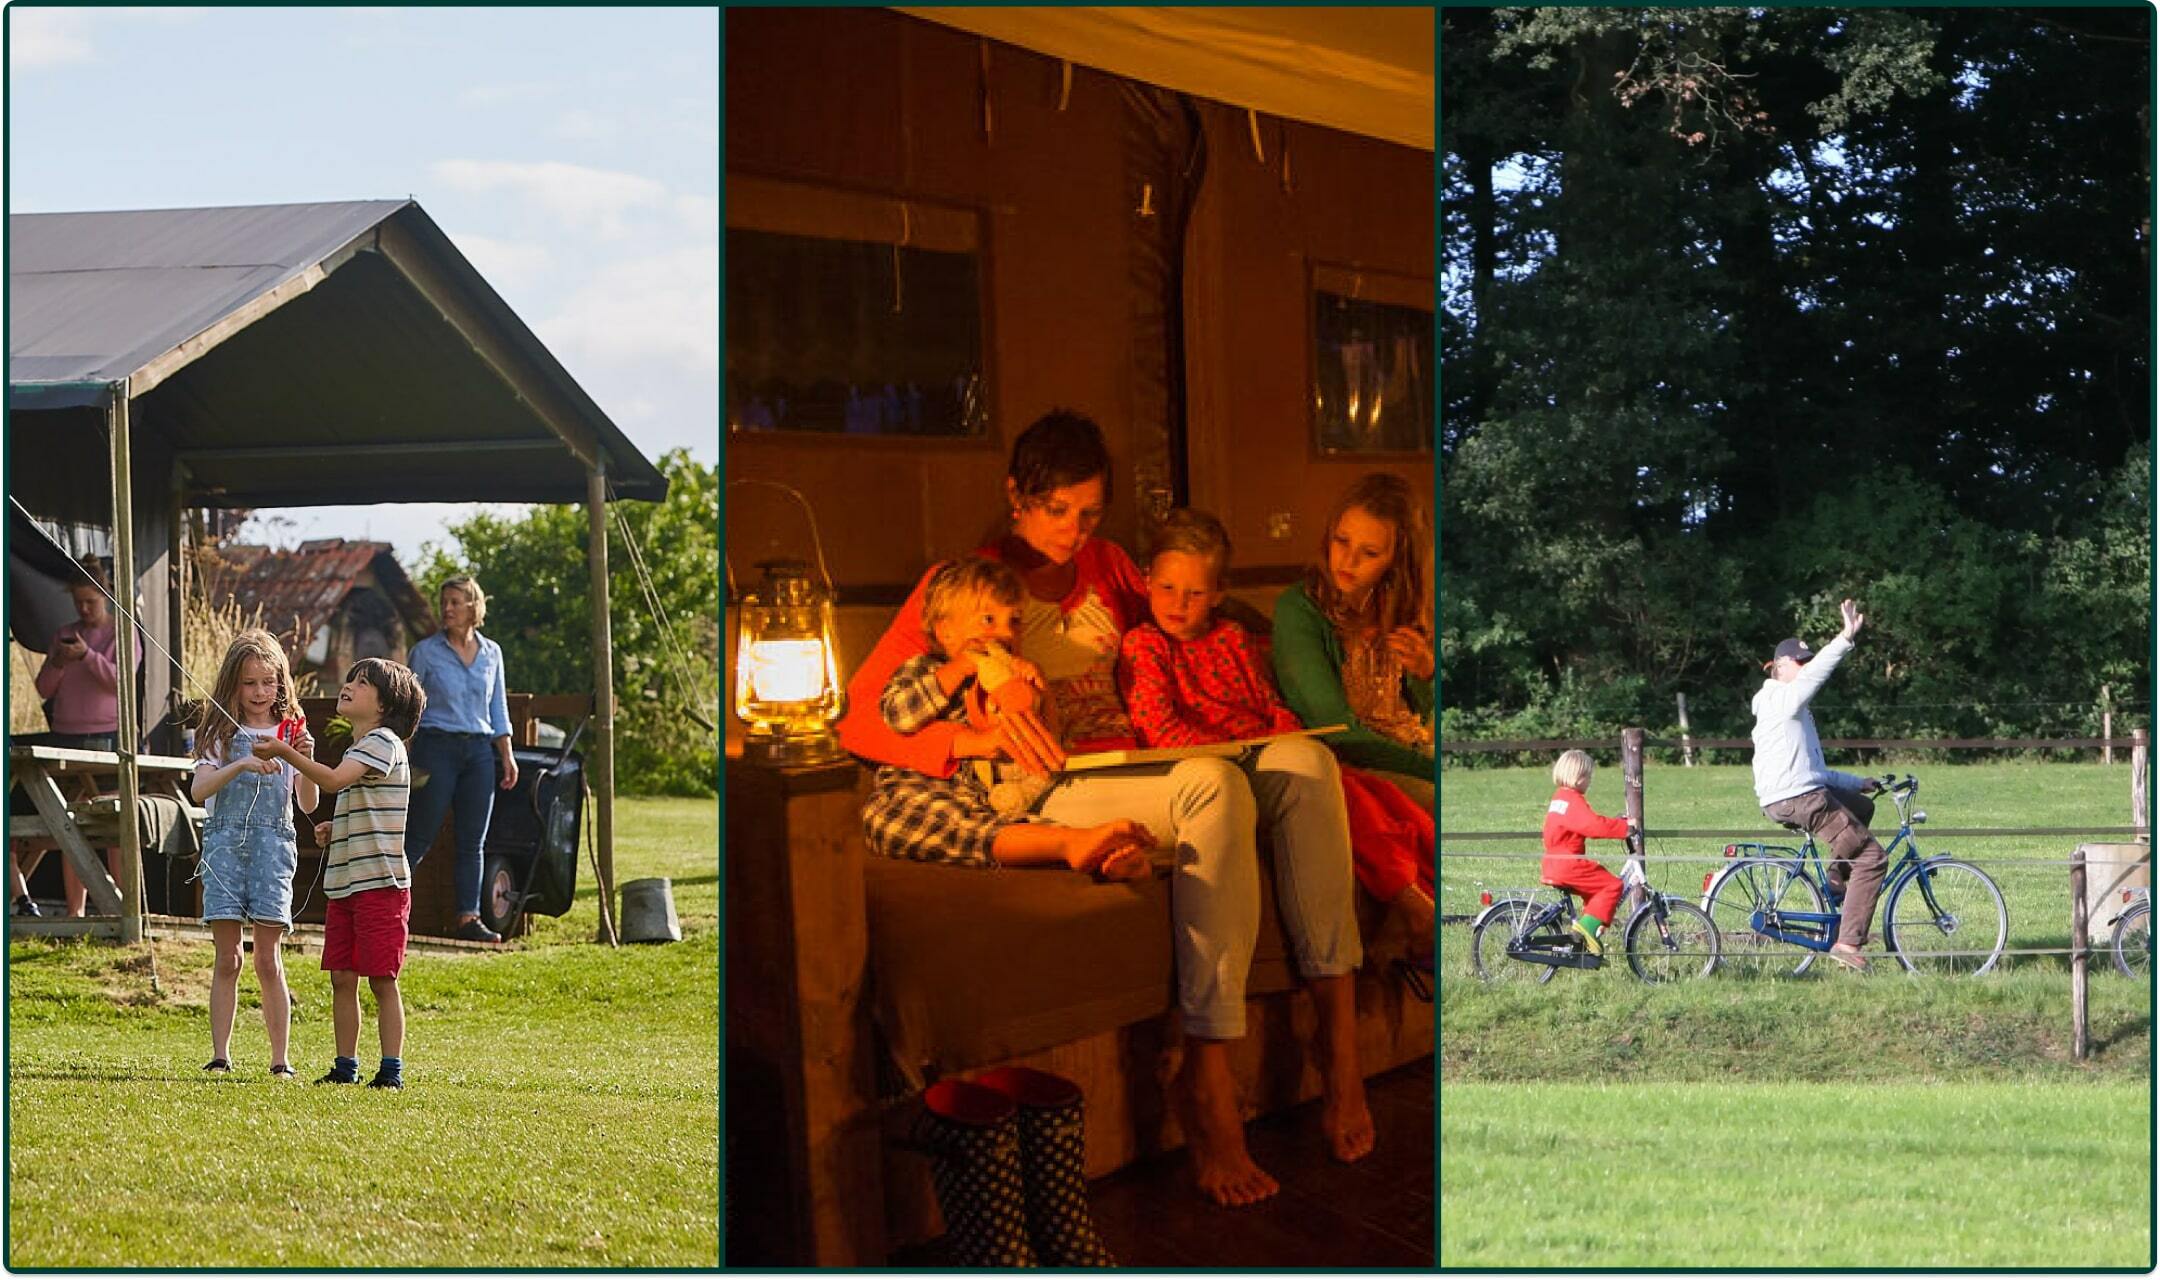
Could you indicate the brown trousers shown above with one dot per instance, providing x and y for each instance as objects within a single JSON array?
[{"x": 1839, "y": 819}]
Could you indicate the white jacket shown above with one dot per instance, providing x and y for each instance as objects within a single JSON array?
[{"x": 1788, "y": 756}]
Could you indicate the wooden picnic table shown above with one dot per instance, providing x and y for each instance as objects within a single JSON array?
[{"x": 72, "y": 792}]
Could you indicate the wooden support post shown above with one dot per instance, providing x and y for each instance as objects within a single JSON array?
[
  {"x": 1687, "y": 744},
  {"x": 802, "y": 1055},
  {"x": 2107, "y": 728},
  {"x": 45, "y": 797},
  {"x": 603, "y": 721},
  {"x": 1631, "y": 770},
  {"x": 124, "y": 655},
  {"x": 2080, "y": 1030},
  {"x": 2140, "y": 761},
  {"x": 176, "y": 571}
]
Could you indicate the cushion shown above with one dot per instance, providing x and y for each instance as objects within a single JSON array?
[{"x": 970, "y": 967}]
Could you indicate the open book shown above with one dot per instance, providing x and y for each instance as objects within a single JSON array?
[{"x": 1164, "y": 755}]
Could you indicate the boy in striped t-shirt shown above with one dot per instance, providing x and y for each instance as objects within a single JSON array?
[{"x": 365, "y": 877}]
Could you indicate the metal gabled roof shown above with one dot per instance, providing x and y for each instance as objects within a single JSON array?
[{"x": 302, "y": 354}]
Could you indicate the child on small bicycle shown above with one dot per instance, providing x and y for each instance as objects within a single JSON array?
[{"x": 1569, "y": 823}]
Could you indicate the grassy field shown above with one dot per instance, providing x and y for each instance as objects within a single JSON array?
[
  {"x": 1833, "y": 1120},
  {"x": 561, "y": 1107},
  {"x": 1761, "y": 1174}
]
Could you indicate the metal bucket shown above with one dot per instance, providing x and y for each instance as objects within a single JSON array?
[
  {"x": 2113, "y": 874},
  {"x": 648, "y": 911}
]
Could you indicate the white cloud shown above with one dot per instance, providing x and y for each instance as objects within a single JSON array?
[
  {"x": 48, "y": 38},
  {"x": 597, "y": 200},
  {"x": 580, "y": 125},
  {"x": 507, "y": 264},
  {"x": 61, "y": 37},
  {"x": 700, "y": 215},
  {"x": 663, "y": 307},
  {"x": 501, "y": 95}
]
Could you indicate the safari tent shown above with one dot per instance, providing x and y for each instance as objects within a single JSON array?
[
  {"x": 1211, "y": 231},
  {"x": 278, "y": 355}
]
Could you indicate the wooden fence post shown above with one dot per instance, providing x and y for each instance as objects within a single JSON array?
[
  {"x": 2080, "y": 1031},
  {"x": 1687, "y": 744},
  {"x": 1631, "y": 762},
  {"x": 2107, "y": 728},
  {"x": 2139, "y": 762}
]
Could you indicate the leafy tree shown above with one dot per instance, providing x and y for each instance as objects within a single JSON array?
[
  {"x": 1744, "y": 309},
  {"x": 535, "y": 572}
]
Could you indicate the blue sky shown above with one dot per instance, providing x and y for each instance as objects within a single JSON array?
[{"x": 572, "y": 154}]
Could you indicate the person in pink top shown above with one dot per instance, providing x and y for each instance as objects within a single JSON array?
[{"x": 81, "y": 688}]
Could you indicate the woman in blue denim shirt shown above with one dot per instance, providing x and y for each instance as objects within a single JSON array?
[{"x": 461, "y": 752}]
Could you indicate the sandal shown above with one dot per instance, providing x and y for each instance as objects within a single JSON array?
[
  {"x": 218, "y": 1067},
  {"x": 1416, "y": 973},
  {"x": 283, "y": 1071}
]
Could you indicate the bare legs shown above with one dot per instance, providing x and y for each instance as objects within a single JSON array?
[
  {"x": 1215, "y": 1129},
  {"x": 225, "y": 987},
  {"x": 1344, "y": 1117},
  {"x": 345, "y": 1013}
]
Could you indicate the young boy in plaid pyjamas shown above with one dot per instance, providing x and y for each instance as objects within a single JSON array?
[{"x": 972, "y": 611}]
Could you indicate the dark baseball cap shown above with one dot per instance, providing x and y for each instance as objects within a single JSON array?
[{"x": 1791, "y": 647}]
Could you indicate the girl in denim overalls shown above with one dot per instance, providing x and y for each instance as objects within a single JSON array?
[{"x": 249, "y": 854}]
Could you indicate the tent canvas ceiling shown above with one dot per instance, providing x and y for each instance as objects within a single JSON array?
[
  {"x": 1362, "y": 70},
  {"x": 289, "y": 355}
]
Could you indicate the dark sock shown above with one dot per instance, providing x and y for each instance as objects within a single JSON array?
[
  {"x": 345, "y": 1067},
  {"x": 394, "y": 1068}
]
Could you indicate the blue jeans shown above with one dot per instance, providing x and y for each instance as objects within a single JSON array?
[{"x": 461, "y": 775}]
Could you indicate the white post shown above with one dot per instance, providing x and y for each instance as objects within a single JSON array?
[
  {"x": 2107, "y": 728},
  {"x": 1687, "y": 744}
]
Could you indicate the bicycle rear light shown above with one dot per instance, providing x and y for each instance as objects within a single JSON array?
[
  {"x": 1707, "y": 877},
  {"x": 1731, "y": 849}
]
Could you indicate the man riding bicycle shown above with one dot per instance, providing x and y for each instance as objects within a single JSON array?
[{"x": 1793, "y": 786}]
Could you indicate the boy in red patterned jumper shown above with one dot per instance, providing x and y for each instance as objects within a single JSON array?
[
  {"x": 1189, "y": 677},
  {"x": 1569, "y": 823}
]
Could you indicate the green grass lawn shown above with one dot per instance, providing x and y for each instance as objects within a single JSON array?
[
  {"x": 1779, "y": 1175},
  {"x": 561, "y": 1108},
  {"x": 1832, "y": 1120}
]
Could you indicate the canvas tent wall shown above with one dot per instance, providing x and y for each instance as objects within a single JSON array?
[{"x": 286, "y": 355}]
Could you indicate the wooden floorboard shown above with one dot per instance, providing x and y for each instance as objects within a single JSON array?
[{"x": 1377, "y": 1212}]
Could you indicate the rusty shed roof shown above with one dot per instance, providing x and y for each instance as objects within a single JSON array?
[{"x": 304, "y": 587}]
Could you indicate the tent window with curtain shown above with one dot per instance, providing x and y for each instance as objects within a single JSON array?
[
  {"x": 852, "y": 314},
  {"x": 1372, "y": 386}
]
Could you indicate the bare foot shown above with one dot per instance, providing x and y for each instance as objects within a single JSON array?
[
  {"x": 1344, "y": 1117},
  {"x": 1215, "y": 1132}
]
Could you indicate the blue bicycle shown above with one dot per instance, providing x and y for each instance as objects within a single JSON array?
[{"x": 1939, "y": 915}]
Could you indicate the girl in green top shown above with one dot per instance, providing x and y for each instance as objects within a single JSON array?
[{"x": 1353, "y": 642}]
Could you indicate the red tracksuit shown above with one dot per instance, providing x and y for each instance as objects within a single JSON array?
[{"x": 1569, "y": 821}]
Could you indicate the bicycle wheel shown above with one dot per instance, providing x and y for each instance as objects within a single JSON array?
[
  {"x": 1687, "y": 947},
  {"x": 1495, "y": 929},
  {"x": 2133, "y": 941},
  {"x": 1946, "y": 917},
  {"x": 1766, "y": 885}
]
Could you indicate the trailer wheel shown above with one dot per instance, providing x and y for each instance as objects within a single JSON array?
[{"x": 500, "y": 899}]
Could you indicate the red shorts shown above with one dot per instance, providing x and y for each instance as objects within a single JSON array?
[{"x": 365, "y": 933}]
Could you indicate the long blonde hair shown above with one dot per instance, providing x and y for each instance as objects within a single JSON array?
[
  {"x": 1403, "y": 596},
  {"x": 214, "y": 724}
]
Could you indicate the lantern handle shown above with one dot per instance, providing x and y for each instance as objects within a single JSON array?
[{"x": 816, "y": 542}]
